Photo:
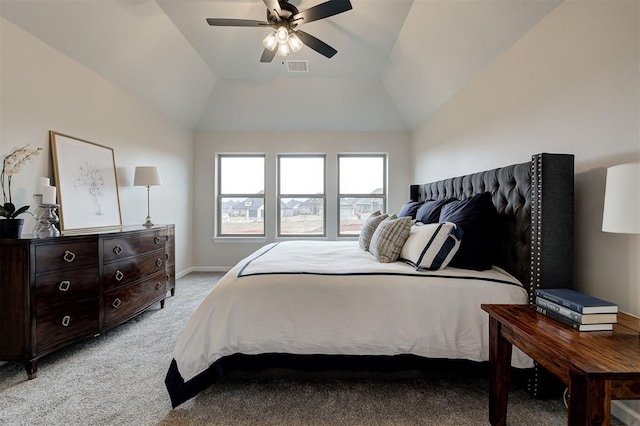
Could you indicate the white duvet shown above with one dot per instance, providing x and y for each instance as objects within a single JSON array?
[{"x": 327, "y": 297}]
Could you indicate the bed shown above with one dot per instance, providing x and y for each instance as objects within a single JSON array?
[{"x": 321, "y": 302}]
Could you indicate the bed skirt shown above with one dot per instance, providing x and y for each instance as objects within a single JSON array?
[{"x": 271, "y": 366}]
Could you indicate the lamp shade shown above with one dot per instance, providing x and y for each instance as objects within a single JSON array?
[
  {"x": 147, "y": 176},
  {"x": 622, "y": 199}
]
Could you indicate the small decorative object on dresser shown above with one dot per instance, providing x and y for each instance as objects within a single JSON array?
[
  {"x": 11, "y": 226},
  {"x": 56, "y": 291}
]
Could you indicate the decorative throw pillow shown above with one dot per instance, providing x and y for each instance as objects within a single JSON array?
[
  {"x": 389, "y": 237},
  {"x": 477, "y": 218},
  {"x": 368, "y": 228},
  {"x": 429, "y": 211},
  {"x": 409, "y": 209},
  {"x": 431, "y": 246}
]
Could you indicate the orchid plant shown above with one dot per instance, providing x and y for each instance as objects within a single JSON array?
[{"x": 11, "y": 165}]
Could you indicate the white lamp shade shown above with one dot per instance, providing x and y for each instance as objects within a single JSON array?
[
  {"x": 147, "y": 176},
  {"x": 622, "y": 199}
]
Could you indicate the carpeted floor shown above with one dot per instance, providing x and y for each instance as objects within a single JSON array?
[{"x": 118, "y": 379}]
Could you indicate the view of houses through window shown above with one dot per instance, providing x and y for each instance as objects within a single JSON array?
[
  {"x": 301, "y": 193},
  {"x": 241, "y": 194},
  {"x": 361, "y": 188}
]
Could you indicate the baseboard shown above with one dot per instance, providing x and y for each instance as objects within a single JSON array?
[
  {"x": 625, "y": 413},
  {"x": 203, "y": 269}
]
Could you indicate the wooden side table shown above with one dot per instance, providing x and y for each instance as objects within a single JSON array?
[{"x": 596, "y": 366}]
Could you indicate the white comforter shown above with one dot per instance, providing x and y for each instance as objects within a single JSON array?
[{"x": 327, "y": 297}]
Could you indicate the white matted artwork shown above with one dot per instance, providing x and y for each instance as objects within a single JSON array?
[{"x": 85, "y": 175}]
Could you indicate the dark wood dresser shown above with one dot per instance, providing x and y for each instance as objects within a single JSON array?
[{"x": 56, "y": 291}]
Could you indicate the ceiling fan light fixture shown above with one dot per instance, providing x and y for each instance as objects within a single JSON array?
[
  {"x": 270, "y": 41},
  {"x": 282, "y": 34},
  {"x": 283, "y": 49},
  {"x": 295, "y": 43}
]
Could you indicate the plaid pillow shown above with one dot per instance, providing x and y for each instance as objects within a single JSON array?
[
  {"x": 389, "y": 237},
  {"x": 369, "y": 228}
]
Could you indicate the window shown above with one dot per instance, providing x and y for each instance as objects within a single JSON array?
[
  {"x": 301, "y": 195},
  {"x": 362, "y": 189},
  {"x": 240, "y": 207}
]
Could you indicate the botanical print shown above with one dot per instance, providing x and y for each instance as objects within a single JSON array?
[{"x": 88, "y": 176}]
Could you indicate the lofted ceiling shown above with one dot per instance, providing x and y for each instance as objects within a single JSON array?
[{"x": 398, "y": 61}]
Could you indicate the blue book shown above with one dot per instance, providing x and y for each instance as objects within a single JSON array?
[
  {"x": 577, "y": 301},
  {"x": 576, "y": 325}
]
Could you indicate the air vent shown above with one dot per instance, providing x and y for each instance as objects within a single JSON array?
[{"x": 298, "y": 66}]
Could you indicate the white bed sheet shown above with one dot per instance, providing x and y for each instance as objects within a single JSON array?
[{"x": 262, "y": 306}]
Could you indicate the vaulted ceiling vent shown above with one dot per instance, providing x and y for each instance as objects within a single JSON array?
[{"x": 298, "y": 66}]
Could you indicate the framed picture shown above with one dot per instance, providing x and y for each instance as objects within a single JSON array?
[{"x": 85, "y": 174}]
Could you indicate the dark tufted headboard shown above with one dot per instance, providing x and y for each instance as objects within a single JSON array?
[{"x": 535, "y": 206}]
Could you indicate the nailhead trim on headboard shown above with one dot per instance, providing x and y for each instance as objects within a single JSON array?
[{"x": 535, "y": 203}]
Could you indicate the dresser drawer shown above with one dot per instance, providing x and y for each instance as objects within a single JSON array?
[
  {"x": 126, "y": 271},
  {"x": 171, "y": 234},
  {"x": 125, "y": 302},
  {"x": 170, "y": 255},
  {"x": 130, "y": 245},
  {"x": 67, "y": 321},
  {"x": 171, "y": 277},
  {"x": 66, "y": 286},
  {"x": 57, "y": 257}
]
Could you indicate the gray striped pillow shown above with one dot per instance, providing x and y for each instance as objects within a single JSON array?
[
  {"x": 369, "y": 228},
  {"x": 389, "y": 237}
]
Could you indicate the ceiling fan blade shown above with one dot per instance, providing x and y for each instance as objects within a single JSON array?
[
  {"x": 221, "y": 22},
  {"x": 316, "y": 44},
  {"x": 321, "y": 11},
  {"x": 268, "y": 55},
  {"x": 273, "y": 6}
]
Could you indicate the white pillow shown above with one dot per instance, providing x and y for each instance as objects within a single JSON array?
[{"x": 432, "y": 246}]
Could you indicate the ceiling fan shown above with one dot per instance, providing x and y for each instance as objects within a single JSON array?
[{"x": 285, "y": 18}]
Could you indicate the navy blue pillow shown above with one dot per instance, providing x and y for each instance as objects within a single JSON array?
[
  {"x": 429, "y": 211},
  {"x": 409, "y": 209},
  {"x": 477, "y": 217}
]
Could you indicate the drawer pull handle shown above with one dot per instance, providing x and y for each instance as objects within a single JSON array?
[
  {"x": 69, "y": 256},
  {"x": 119, "y": 275},
  {"x": 166, "y": 256},
  {"x": 116, "y": 303},
  {"x": 166, "y": 238},
  {"x": 158, "y": 286},
  {"x": 117, "y": 249},
  {"x": 64, "y": 285},
  {"x": 158, "y": 262},
  {"x": 66, "y": 320},
  {"x": 156, "y": 240}
]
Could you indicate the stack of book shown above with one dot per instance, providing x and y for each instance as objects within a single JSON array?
[{"x": 576, "y": 310}]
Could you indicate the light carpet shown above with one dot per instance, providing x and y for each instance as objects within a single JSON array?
[{"x": 117, "y": 378}]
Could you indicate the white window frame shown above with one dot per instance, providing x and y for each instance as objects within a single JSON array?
[
  {"x": 220, "y": 196},
  {"x": 382, "y": 196},
  {"x": 322, "y": 196}
]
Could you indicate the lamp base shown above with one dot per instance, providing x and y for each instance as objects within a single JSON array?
[{"x": 148, "y": 223}]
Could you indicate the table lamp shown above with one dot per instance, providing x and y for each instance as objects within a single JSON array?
[
  {"x": 147, "y": 176},
  {"x": 622, "y": 199}
]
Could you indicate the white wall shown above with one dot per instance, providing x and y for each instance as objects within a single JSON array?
[
  {"x": 570, "y": 85},
  {"x": 208, "y": 253},
  {"x": 44, "y": 90}
]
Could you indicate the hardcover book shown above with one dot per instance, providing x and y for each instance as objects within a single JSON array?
[
  {"x": 577, "y": 326},
  {"x": 576, "y": 301},
  {"x": 576, "y": 316}
]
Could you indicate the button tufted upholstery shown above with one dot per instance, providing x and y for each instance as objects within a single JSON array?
[{"x": 517, "y": 193}]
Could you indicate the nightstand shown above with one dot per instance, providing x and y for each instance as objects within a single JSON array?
[{"x": 596, "y": 366}]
